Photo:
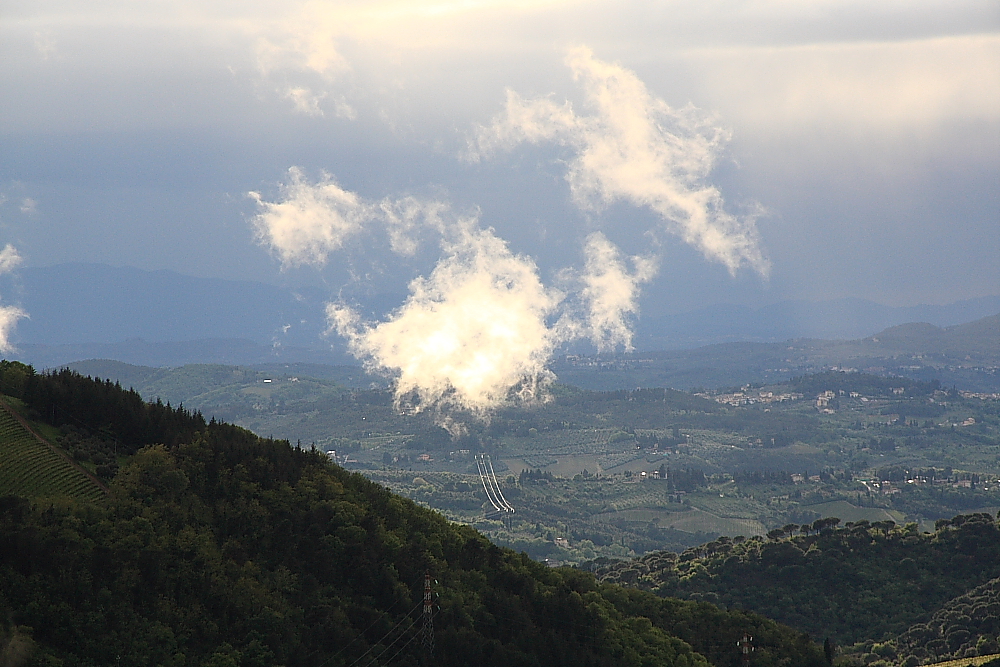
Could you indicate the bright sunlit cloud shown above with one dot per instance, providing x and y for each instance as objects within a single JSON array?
[
  {"x": 480, "y": 329},
  {"x": 634, "y": 146},
  {"x": 611, "y": 292},
  {"x": 313, "y": 220},
  {"x": 473, "y": 334}
]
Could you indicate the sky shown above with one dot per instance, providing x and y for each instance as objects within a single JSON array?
[{"x": 615, "y": 159}]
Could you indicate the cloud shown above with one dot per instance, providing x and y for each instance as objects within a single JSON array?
[
  {"x": 891, "y": 86},
  {"x": 611, "y": 292},
  {"x": 634, "y": 147},
  {"x": 29, "y": 206},
  {"x": 313, "y": 220},
  {"x": 405, "y": 217},
  {"x": 9, "y": 259},
  {"x": 303, "y": 40},
  {"x": 9, "y": 315},
  {"x": 305, "y": 101},
  {"x": 479, "y": 331},
  {"x": 473, "y": 334},
  {"x": 301, "y": 47}
]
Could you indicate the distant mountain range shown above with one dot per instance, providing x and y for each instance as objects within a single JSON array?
[
  {"x": 94, "y": 303},
  {"x": 163, "y": 318},
  {"x": 965, "y": 355},
  {"x": 840, "y": 319}
]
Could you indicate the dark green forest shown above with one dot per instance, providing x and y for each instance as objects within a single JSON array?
[
  {"x": 217, "y": 547},
  {"x": 860, "y": 584}
]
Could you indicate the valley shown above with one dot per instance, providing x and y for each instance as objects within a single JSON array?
[{"x": 621, "y": 473}]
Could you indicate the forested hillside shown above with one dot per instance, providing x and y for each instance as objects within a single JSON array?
[
  {"x": 217, "y": 547},
  {"x": 969, "y": 622},
  {"x": 862, "y": 583}
]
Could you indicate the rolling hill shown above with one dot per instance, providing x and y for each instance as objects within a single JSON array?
[
  {"x": 965, "y": 355},
  {"x": 223, "y": 548}
]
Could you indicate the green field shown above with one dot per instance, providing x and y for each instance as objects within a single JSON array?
[
  {"x": 31, "y": 469},
  {"x": 693, "y": 520}
]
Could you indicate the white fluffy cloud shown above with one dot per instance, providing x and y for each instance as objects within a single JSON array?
[
  {"x": 481, "y": 327},
  {"x": 473, "y": 334},
  {"x": 611, "y": 292},
  {"x": 634, "y": 146},
  {"x": 10, "y": 259},
  {"x": 480, "y": 330},
  {"x": 311, "y": 221},
  {"x": 9, "y": 315},
  {"x": 476, "y": 332}
]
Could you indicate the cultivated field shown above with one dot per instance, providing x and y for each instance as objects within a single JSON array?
[{"x": 29, "y": 468}]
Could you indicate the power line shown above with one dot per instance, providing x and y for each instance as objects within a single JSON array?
[
  {"x": 488, "y": 485},
  {"x": 361, "y": 634},
  {"x": 393, "y": 656},
  {"x": 509, "y": 507},
  {"x": 391, "y": 630},
  {"x": 375, "y": 659}
]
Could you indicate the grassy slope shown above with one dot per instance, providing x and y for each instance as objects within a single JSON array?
[{"x": 30, "y": 468}]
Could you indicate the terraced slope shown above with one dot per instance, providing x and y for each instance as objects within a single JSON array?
[{"x": 32, "y": 469}]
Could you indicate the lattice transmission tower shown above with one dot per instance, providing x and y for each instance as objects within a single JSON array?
[
  {"x": 427, "y": 633},
  {"x": 746, "y": 647}
]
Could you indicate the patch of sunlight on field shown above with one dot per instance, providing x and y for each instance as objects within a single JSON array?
[
  {"x": 698, "y": 521},
  {"x": 966, "y": 662}
]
